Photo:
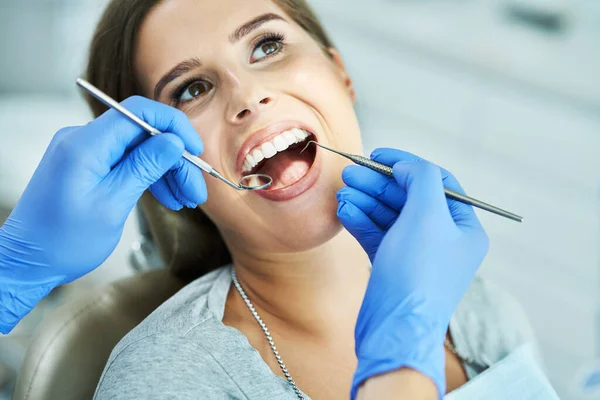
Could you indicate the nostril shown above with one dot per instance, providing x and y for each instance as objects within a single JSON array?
[
  {"x": 242, "y": 114},
  {"x": 245, "y": 113}
]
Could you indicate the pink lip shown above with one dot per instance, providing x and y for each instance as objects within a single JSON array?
[
  {"x": 264, "y": 135},
  {"x": 297, "y": 188}
]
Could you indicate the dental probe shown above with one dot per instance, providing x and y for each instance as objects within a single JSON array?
[
  {"x": 451, "y": 194},
  {"x": 264, "y": 181}
]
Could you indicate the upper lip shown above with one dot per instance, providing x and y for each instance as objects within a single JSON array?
[{"x": 264, "y": 135}]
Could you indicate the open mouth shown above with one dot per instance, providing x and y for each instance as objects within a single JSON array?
[{"x": 280, "y": 158}]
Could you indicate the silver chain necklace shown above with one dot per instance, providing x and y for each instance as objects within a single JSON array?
[
  {"x": 478, "y": 366},
  {"x": 258, "y": 319}
]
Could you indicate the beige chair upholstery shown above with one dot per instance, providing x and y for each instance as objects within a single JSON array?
[{"x": 69, "y": 350}]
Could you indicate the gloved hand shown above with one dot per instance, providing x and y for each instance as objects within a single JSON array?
[
  {"x": 425, "y": 250},
  {"x": 72, "y": 213}
]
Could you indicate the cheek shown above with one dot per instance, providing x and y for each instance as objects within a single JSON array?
[
  {"x": 318, "y": 81},
  {"x": 224, "y": 204},
  {"x": 321, "y": 86},
  {"x": 219, "y": 193},
  {"x": 210, "y": 128},
  {"x": 302, "y": 78}
]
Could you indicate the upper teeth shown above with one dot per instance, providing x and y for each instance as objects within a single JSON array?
[{"x": 268, "y": 149}]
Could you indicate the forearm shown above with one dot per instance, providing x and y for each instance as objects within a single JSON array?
[{"x": 401, "y": 384}]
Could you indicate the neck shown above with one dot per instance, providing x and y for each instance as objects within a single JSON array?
[{"x": 317, "y": 291}]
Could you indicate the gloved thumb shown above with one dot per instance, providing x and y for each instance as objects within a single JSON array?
[
  {"x": 145, "y": 165},
  {"x": 422, "y": 181}
]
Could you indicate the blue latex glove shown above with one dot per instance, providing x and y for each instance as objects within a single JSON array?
[
  {"x": 425, "y": 251},
  {"x": 72, "y": 213}
]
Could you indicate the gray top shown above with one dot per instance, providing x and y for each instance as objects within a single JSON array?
[{"x": 184, "y": 351}]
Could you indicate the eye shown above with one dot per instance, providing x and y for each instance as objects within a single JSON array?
[
  {"x": 267, "y": 47},
  {"x": 265, "y": 50},
  {"x": 194, "y": 89}
]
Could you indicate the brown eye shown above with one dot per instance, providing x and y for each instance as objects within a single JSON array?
[
  {"x": 195, "y": 89},
  {"x": 269, "y": 48},
  {"x": 266, "y": 49}
]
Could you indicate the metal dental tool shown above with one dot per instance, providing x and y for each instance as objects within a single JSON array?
[
  {"x": 451, "y": 194},
  {"x": 248, "y": 182}
]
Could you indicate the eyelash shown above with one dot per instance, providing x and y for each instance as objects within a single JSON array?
[
  {"x": 261, "y": 40},
  {"x": 180, "y": 90},
  {"x": 268, "y": 37}
]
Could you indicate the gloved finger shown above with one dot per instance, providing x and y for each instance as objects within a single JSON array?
[
  {"x": 389, "y": 156},
  {"x": 361, "y": 227},
  {"x": 187, "y": 183},
  {"x": 425, "y": 193},
  {"x": 382, "y": 215},
  {"x": 108, "y": 137},
  {"x": 161, "y": 191},
  {"x": 167, "y": 119},
  {"x": 168, "y": 178},
  {"x": 61, "y": 133},
  {"x": 379, "y": 186},
  {"x": 463, "y": 214},
  {"x": 145, "y": 165}
]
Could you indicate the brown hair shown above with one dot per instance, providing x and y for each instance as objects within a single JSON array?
[{"x": 188, "y": 241}]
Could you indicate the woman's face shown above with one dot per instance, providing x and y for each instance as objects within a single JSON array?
[{"x": 253, "y": 82}]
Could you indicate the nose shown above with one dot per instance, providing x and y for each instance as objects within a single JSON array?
[{"x": 248, "y": 100}]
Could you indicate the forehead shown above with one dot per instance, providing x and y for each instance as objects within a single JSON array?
[
  {"x": 179, "y": 29},
  {"x": 206, "y": 15}
]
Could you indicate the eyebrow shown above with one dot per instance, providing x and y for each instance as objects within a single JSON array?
[
  {"x": 175, "y": 72},
  {"x": 252, "y": 25},
  {"x": 190, "y": 64}
]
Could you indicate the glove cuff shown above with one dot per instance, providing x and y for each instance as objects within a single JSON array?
[
  {"x": 19, "y": 293},
  {"x": 409, "y": 341},
  {"x": 17, "y": 300}
]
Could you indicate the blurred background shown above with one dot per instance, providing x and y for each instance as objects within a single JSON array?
[{"x": 504, "y": 93}]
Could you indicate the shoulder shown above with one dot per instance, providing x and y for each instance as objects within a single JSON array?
[
  {"x": 186, "y": 310},
  {"x": 489, "y": 323},
  {"x": 173, "y": 344},
  {"x": 159, "y": 366}
]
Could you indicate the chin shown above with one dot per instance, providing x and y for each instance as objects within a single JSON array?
[
  {"x": 308, "y": 224},
  {"x": 315, "y": 231},
  {"x": 309, "y": 219}
]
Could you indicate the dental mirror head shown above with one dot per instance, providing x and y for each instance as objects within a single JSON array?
[{"x": 255, "y": 182}]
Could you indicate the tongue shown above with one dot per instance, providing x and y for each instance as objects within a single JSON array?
[{"x": 286, "y": 168}]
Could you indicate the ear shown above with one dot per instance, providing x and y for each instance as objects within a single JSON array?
[{"x": 337, "y": 60}]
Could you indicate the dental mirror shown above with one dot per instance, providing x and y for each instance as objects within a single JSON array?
[{"x": 255, "y": 182}]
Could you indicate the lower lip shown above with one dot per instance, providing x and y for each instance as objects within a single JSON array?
[{"x": 295, "y": 189}]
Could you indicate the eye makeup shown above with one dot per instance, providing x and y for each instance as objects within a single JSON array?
[
  {"x": 175, "y": 98},
  {"x": 184, "y": 86},
  {"x": 266, "y": 38}
]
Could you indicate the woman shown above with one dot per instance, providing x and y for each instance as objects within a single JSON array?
[{"x": 258, "y": 79}]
